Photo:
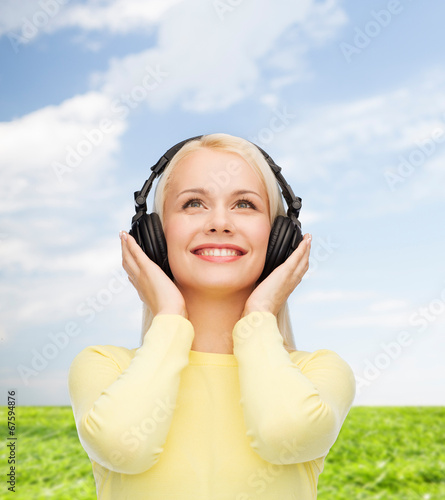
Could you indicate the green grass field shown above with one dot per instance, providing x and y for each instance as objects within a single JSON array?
[{"x": 387, "y": 453}]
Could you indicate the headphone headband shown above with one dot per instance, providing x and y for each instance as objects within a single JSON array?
[{"x": 140, "y": 197}]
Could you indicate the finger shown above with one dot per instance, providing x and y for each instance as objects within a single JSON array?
[
  {"x": 303, "y": 264},
  {"x": 126, "y": 254},
  {"x": 307, "y": 250},
  {"x": 300, "y": 252},
  {"x": 137, "y": 260},
  {"x": 299, "y": 262},
  {"x": 136, "y": 252},
  {"x": 129, "y": 263}
]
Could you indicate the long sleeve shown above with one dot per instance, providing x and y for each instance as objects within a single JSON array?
[
  {"x": 293, "y": 407},
  {"x": 123, "y": 415}
]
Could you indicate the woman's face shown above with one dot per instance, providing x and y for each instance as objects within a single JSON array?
[{"x": 204, "y": 210}]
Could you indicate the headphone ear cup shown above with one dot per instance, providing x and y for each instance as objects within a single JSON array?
[
  {"x": 272, "y": 248},
  {"x": 148, "y": 233},
  {"x": 160, "y": 244},
  {"x": 284, "y": 238},
  {"x": 146, "y": 239},
  {"x": 134, "y": 231}
]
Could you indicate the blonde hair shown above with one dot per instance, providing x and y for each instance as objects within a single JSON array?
[{"x": 254, "y": 157}]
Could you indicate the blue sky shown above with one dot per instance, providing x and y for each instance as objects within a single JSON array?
[{"x": 347, "y": 98}]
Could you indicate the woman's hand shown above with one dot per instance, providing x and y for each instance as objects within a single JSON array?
[
  {"x": 154, "y": 287},
  {"x": 272, "y": 293}
]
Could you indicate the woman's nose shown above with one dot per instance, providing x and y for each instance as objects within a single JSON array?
[{"x": 219, "y": 220}]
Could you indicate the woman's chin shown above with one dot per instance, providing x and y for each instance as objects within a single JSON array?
[{"x": 205, "y": 284}]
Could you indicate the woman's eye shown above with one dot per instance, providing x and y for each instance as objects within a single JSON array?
[
  {"x": 247, "y": 203},
  {"x": 190, "y": 203}
]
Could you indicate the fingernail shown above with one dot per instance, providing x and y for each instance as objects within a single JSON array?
[
  {"x": 309, "y": 238},
  {"x": 123, "y": 234}
]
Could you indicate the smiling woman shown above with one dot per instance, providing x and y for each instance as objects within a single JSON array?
[{"x": 216, "y": 403}]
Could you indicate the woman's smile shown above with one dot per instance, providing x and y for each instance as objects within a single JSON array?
[{"x": 218, "y": 254}]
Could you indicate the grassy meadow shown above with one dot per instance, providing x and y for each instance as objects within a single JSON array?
[{"x": 387, "y": 453}]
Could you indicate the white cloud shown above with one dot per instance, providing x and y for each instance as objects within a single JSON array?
[
  {"x": 350, "y": 145},
  {"x": 116, "y": 16},
  {"x": 48, "y": 387},
  {"x": 388, "y": 305},
  {"x": 337, "y": 295},
  {"x": 3, "y": 338},
  {"x": 324, "y": 21},
  {"x": 309, "y": 217},
  {"x": 71, "y": 132},
  {"x": 389, "y": 122},
  {"x": 14, "y": 14},
  {"x": 29, "y": 18},
  {"x": 213, "y": 63},
  {"x": 367, "y": 320},
  {"x": 413, "y": 375}
]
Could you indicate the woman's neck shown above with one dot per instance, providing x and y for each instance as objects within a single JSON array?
[{"x": 213, "y": 318}]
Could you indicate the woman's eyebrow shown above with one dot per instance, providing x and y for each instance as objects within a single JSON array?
[{"x": 205, "y": 192}]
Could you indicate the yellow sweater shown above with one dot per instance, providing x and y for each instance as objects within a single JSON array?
[{"x": 164, "y": 422}]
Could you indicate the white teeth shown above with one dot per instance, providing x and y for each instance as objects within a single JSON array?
[{"x": 218, "y": 252}]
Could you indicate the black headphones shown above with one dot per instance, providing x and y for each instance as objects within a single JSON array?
[{"x": 146, "y": 229}]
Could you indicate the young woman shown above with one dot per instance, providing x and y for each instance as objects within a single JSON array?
[{"x": 217, "y": 403}]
